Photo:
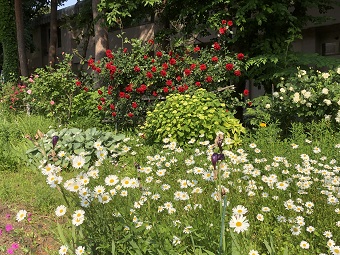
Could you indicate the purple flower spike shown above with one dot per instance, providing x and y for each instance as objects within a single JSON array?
[
  {"x": 55, "y": 140},
  {"x": 216, "y": 157}
]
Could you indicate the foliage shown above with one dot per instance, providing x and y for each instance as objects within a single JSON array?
[
  {"x": 268, "y": 69},
  {"x": 88, "y": 145},
  {"x": 9, "y": 67},
  {"x": 263, "y": 30},
  {"x": 14, "y": 96},
  {"x": 184, "y": 117},
  {"x": 117, "y": 11},
  {"x": 304, "y": 97},
  {"x": 136, "y": 79},
  {"x": 53, "y": 90}
]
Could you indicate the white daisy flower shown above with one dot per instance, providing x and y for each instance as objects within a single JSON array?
[
  {"x": 60, "y": 211},
  {"x": 21, "y": 215}
]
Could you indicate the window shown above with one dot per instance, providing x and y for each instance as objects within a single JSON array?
[{"x": 330, "y": 48}]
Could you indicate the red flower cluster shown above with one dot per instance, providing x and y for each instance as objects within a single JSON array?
[
  {"x": 93, "y": 66},
  {"x": 141, "y": 89},
  {"x": 182, "y": 88},
  {"x": 165, "y": 72},
  {"x": 109, "y": 54}
]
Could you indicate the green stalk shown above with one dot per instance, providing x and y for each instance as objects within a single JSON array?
[{"x": 222, "y": 235}]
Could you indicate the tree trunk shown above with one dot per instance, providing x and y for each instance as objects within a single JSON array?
[
  {"x": 21, "y": 37},
  {"x": 53, "y": 33},
  {"x": 100, "y": 32}
]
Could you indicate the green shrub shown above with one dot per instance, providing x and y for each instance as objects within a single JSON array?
[
  {"x": 186, "y": 117},
  {"x": 52, "y": 90},
  {"x": 14, "y": 96},
  {"x": 304, "y": 97}
]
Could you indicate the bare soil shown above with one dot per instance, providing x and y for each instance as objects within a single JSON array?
[{"x": 34, "y": 237}]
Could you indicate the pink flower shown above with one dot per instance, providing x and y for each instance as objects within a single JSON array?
[
  {"x": 8, "y": 216},
  {"x": 10, "y": 251},
  {"x": 9, "y": 228},
  {"x": 29, "y": 92},
  {"x": 15, "y": 246},
  {"x": 52, "y": 102}
]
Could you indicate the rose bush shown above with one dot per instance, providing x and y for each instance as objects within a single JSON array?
[{"x": 130, "y": 79}]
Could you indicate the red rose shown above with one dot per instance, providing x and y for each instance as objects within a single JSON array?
[
  {"x": 125, "y": 50},
  {"x": 159, "y": 54},
  {"x": 197, "y": 49},
  {"x": 192, "y": 66},
  {"x": 143, "y": 87},
  {"x": 229, "y": 66},
  {"x": 121, "y": 94},
  {"x": 240, "y": 56},
  {"x": 130, "y": 114},
  {"x": 178, "y": 78},
  {"x": 168, "y": 82},
  {"x": 187, "y": 72},
  {"x": 153, "y": 69},
  {"x": 214, "y": 59},
  {"x": 98, "y": 70},
  {"x": 165, "y": 90},
  {"x": 145, "y": 57},
  {"x": 112, "y": 106},
  {"x": 223, "y": 22},
  {"x": 222, "y": 30},
  {"x": 86, "y": 89},
  {"x": 134, "y": 105},
  {"x": 114, "y": 114},
  {"x": 100, "y": 92},
  {"x": 246, "y": 92},
  {"x": 136, "y": 69},
  {"x": 78, "y": 83},
  {"x": 149, "y": 75},
  {"x": 203, "y": 67},
  {"x": 154, "y": 93},
  {"x": 172, "y": 61},
  {"x": 198, "y": 84},
  {"x": 128, "y": 88},
  {"x": 90, "y": 62},
  {"x": 237, "y": 72},
  {"x": 109, "y": 54},
  {"x": 209, "y": 79},
  {"x": 151, "y": 42},
  {"x": 165, "y": 66},
  {"x": 217, "y": 46},
  {"x": 229, "y": 23},
  {"x": 99, "y": 107},
  {"x": 162, "y": 73},
  {"x": 127, "y": 96}
]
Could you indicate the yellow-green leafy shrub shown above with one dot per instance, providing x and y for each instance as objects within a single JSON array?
[{"x": 185, "y": 117}]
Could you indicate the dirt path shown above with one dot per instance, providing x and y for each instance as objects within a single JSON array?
[{"x": 30, "y": 236}]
